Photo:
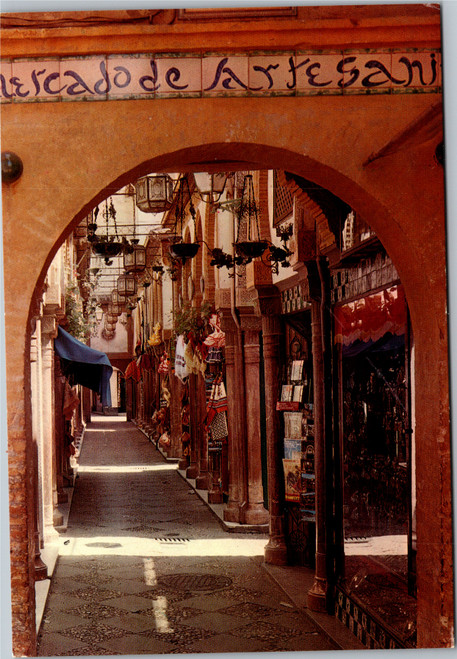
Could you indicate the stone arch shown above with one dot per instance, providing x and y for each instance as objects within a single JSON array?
[
  {"x": 388, "y": 228},
  {"x": 404, "y": 218}
]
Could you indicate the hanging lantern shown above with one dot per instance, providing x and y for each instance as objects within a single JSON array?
[
  {"x": 248, "y": 242},
  {"x": 154, "y": 194},
  {"x": 136, "y": 260},
  {"x": 126, "y": 285},
  {"x": 114, "y": 310},
  {"x": 116, "y": 298}
]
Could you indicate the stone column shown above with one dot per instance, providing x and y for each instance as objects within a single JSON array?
[
  {"x": 59, "y": 431},
  {"x": 236, "y": 421},
  {"x": 52, "y": 517},
  {"x": 255, "y": 512},
  {"x": 41, "y": 571},
  {"x": 270, "y": 309}
]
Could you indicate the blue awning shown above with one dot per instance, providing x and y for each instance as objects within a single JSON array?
[{"x": 88, "y": 367}]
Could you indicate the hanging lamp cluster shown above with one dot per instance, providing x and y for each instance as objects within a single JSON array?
[
  {"x": 179, "y": 250},
  {"x": 249, "y": 245},
  {"x": 159, "y": 194}
]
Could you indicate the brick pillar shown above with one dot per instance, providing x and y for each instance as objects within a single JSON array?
[
  {"x": 52, "y": 517},
  {"x": 236, "y": 421},
  {"x": 41, "y": 571},
  {"x": 255, "y": 512}
]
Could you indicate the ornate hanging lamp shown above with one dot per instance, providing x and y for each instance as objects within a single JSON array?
[
  {"x": 135, "y": 255},
  {"x": 135, "y": 261},
  {"x": 154, "y": 193},
  {"x": 180, "y": 250},
  {"x": 126, "y": 285},
  {"x": 116, "y": 298},
  {"x": 106, "y": 244},
  {"x": 248, "y": 242}
]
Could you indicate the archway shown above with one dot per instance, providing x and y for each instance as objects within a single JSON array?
[{"x": 406, "y": 223}]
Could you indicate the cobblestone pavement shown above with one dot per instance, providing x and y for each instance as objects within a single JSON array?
[{"x": 145, "y": 568}]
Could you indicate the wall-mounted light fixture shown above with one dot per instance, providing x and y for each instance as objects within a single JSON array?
[{"x": 12, "y": 167}]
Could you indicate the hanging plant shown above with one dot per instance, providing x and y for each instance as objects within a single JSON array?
[
  {"x": 76, "y": 323},
  {"x": 192, "y": 319}
]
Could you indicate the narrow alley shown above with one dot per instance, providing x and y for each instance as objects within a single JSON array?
[{"x": 145, "y": 567}]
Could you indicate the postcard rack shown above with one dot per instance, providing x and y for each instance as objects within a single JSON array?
[{"x": 298, "y": 437}]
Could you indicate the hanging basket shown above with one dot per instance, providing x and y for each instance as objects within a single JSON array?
[
  {"x": 184, "y": 250},
  {"x": 252, "y": 249},
  {"x": 107, "y": 249}
]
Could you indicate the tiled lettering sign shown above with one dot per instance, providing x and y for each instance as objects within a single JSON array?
[{"x": 159, "y": 76}]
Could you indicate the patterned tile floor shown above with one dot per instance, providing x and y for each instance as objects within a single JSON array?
[{"x": 120, "y": 588}]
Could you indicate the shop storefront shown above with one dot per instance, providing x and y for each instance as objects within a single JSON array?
[{"x": 373, "y": 446}]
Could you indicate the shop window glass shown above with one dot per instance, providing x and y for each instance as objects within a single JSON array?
[{"x": 375, "y": 452}]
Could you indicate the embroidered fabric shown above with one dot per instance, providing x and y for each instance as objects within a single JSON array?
[{"x": 181, "y": 370}]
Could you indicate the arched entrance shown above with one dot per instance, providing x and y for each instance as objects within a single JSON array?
[{"x": 367, "y": 150}]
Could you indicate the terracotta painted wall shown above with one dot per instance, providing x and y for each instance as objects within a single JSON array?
[{"x": 75, "y": 153}]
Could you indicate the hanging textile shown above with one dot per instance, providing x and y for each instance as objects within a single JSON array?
[
  {"x": 70, "y": 401},
  {"x": 181, "y": 371},
  {"x": 164, "y": 363},
  {"x": 217, "y": 403},
  {"x": 215, "y": 341},
  {"x": 133, "y": 371},
  {"x": 83, "y": 365},
  {"x": 371, "y": 317},
  {"x": 218, "y": 426}
]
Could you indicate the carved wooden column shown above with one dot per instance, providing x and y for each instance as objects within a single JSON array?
[
  {"x": 318, "y": 595},
  {"x": 176, "y": 389},
  {"x": 192, "y": 469},
  {"x": 129, "y": 399},
  {"x": 255, "y": 512},
  {"x": 41, "y": 571},
  {"x": 202, "y": 442},
  {"x": 270, "y": 308},
  {"x": 236, "y": 420}
]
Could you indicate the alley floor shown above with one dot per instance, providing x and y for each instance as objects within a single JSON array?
[{"x": 145, "y": 567}]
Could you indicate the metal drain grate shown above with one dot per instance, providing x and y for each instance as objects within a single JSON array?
[
  {"x": 172, "y": 539},
  {"x": 194, "y": 582}
]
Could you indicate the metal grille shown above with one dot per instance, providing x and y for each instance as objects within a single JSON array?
[
  {"x": 192, "y": 582},
  {"x": 283, "y": 201}
]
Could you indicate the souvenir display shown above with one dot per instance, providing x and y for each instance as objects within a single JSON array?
[
  {"x": 292, "y": 480},
  {"x": 297, "y": 414},
  {"x": 293, "y": 425},
  {"x": 286, "y": 392},
  {"x": 296, "y": 370},
  {"x": 292, "y": 449}
]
